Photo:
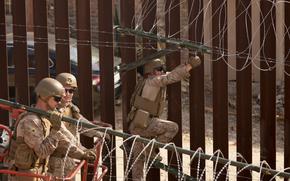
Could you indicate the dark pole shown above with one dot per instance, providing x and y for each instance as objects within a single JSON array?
[
  {"x": 62, "y": 36},
  {"x": 220, "y": 79},
  {"x": 128, "y": 55},
  {"x": 84, "y": 64},
  {"x": 20, "y": 51},
  {"x": 4, "y": 94},
  {"x": 107, "y": 70},
  {"x": 196, "y": 85},
  {"x": 40, "y": 39},
  {"x": 268, "y": 84},
  {"x": 172, "y": 23},
  {"x": 244, "y": 83}
]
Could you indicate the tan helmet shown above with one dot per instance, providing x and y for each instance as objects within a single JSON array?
[
  {"x": 48, "y": 87},
  {"x": 67, "y": 79},
  {"x": 149, "y": 67}
]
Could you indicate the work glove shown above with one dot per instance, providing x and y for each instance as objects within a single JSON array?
[
  {"x": 89, "y": 155},
  {"x": 194, "y": 61},
  {"x": 55, "y": 120}
]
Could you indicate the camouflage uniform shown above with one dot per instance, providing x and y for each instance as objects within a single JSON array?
[
  {"x": 37, "y": 137},
  {"x": 61, "y": 162},
  {"x": 147, "y": 106},
  {"x": 34, "y": 139}
]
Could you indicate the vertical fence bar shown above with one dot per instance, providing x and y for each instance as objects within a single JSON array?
[
  {"x": 62, "y": 36},
  {"x": 287, "y": 90},
  {"x": 149, "y": 19},
  {"x": 84, "y": 64},
  {"x": 40, "y": 39},
  {"x": 128, "y": 55},
  {"x": 84, "y": 54},
  {"x": 29, "y": 15},
  {"x": 4, "y": 94},
  {"x": 268, "y": 84},
  {"x": 220, "y": 78},
  {"x": 107, "y": 69},
  {"x": 244, "y": 83},
  {"x": 196, "y": 86},
  {"x": 172, "y": 23},
  {"x": 20, "y": 51}
]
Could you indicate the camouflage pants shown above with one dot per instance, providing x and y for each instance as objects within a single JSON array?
[
  {"x": 21, "y": 178},
  {"x": 60, "y": 167},
  {"x": 162, "y": 130}
]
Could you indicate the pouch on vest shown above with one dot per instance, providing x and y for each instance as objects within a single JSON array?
[
  {"x": 25, "y": 157},
  {"x": 141, "y": 119}
]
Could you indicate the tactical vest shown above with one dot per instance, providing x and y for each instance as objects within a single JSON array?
[
  {"x": 155, "y": 108},
  {"x": 73, "y": 112},
  {"x": 23, "y": 156}
]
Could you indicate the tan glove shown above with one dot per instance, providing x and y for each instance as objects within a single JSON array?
[
  {"x": 55, "y": 120},
  {"x": 194, "y": 61},
  {"x": 89, "y": 155}
]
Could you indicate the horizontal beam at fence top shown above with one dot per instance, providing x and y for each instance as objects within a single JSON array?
[
  {"x": 172, "y": 41},
  {"x": 146, "y": 141}
]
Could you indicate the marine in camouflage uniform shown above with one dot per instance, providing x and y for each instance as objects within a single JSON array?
[
  {"x": 147, "y": 103},
  {"x": 61, "y": 165},
  {"x": 36, "y": 136}
]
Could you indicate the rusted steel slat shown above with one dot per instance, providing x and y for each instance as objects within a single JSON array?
[
  {"x": 220, "y": 78},
  {"x": 287, "y": 92},
  {"x": 40, "y": 39},
  {"x": 149, "y": 15},
  {"x": 107, "y": 69},
  {"x": 172, "y": 23},
  {"x": 4, "y": 116},
  {"x": 29, "y": 15},
  {"x": 268, "y": 85},
  {"x": 196, "y": 86},
  {"x": 244, "y": 84},
  {"x": 84, "y": 57},
  {"x": 62, "y": 36},
  {"x": 84, "y": 65},
  {"x": 128, "y": 54},
  {"x": 20, "y": 52}
]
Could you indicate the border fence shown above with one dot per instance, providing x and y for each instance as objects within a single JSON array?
[{"x": 215, "y": 31}]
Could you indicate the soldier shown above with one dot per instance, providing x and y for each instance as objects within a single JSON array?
[
  {"x": 36, "y": 136},
  {"x": 147, "y": 105},
  {"x": 59, "y": 165}
]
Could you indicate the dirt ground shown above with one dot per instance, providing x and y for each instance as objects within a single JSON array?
[{"x": 209, "y": 130}]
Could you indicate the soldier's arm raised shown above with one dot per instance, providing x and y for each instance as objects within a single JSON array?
[{"x": 175, "y": 75}]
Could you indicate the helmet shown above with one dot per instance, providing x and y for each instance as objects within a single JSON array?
[
  {"x": 49, "y": 87},
  {"x": 149, "y": 67},
  {"x": 67, "y": 79}
]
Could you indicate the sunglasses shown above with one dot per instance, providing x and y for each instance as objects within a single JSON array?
[
  {"x": 71, "y": 91},
  {"x": 160, "y": 69},
  {"x": 57, "y": 98}
]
